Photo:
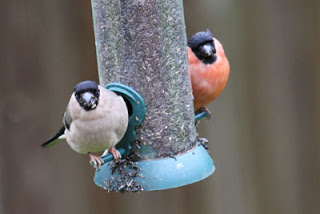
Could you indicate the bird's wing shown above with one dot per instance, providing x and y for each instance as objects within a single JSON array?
[
  {"x": 67, "y": 120},
  {"x": 53, "y": 140}
]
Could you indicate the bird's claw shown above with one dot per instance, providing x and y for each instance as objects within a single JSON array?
[
  {"x": 96, "y": 161},
  {"x": 115, "y": 153},
  {"x": 205, "y": 109}
]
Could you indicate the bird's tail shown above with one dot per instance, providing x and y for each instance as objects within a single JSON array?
[{"x": 53, "y": 139}]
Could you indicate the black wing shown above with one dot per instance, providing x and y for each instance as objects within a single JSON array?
[
  {"x": 52, "y": 140},
  {"x": 67, "y": 120}
]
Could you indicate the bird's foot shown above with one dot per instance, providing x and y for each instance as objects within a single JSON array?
[
  {"x": 197, "y": 124},
  {"x": 205, "y": 109},
  {"x": 115, "y": 153},
  {"x": 96, "y": 161}
]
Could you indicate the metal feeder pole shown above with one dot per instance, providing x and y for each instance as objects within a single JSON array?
[{"x": 142, "y": 44}]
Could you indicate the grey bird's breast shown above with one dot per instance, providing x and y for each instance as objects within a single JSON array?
[{"x": 99, "y": 129}]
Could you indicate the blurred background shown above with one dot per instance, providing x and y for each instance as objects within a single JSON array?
[{"x": 264, "y": 133}]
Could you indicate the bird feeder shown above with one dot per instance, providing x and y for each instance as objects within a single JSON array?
[{"x": 141, "y": 50}]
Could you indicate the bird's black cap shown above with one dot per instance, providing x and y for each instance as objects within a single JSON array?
[
  {"x": 200, "y": 38},
  {"x": 85, "y": 86}
]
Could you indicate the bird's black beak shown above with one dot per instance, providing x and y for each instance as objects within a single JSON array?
[
  {"x": 208, "y": 50},
  {"x": 89, "y": 100}
]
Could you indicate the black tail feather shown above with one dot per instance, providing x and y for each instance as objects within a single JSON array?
[{"x": 50, "y": 142}]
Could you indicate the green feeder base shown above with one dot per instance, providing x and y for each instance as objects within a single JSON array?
[{"x": 192, "y": 166}]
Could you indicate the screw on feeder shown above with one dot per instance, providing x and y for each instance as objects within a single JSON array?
[{"x": 137, "y": 46}]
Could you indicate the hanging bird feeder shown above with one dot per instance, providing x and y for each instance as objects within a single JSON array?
[{"x": 141, "y": 50}]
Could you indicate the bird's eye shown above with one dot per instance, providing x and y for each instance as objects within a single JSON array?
[
  {"x": 80, "y": 100},
  {"x": 97, "y": 92}
]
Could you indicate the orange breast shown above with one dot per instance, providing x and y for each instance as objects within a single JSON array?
[{"x": 208, "y": 80}]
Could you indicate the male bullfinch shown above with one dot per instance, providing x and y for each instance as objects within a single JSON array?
[
  {"x": 208, "y": 69},
  {"x": 96, "y": 119}
]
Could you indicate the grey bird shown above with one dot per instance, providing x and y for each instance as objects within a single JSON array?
[{"x": 95, "y": 120}]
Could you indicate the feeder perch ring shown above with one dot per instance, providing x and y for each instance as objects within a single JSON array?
[{"x": 136, "y": 110}]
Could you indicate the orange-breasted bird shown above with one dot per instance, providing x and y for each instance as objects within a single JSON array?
[{"x": 208, "y": 69}]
